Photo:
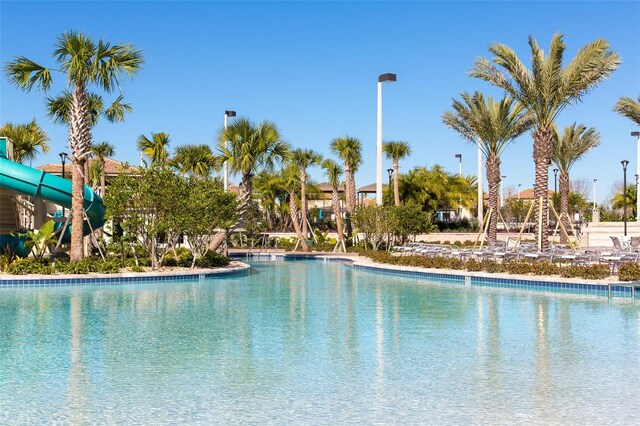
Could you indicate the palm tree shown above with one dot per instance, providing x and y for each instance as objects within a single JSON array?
[
  {"x": 251, "y": 148},
  {"x": 628, "y": 108},
  {"x": 155, "y": 149},
  {"x": 492, "y": 126},
  {"x": 271, "y": 192},
  {"x": 333, "y": 172},
  {"x": 291, "y": 180},
  {"x": 545, "y": 91},
  {"x": 59, "y": 108},
  {"x": 85, "y": 63},
  {"x": 102, "y": 151},
  {"x": 396, "y": 151},
  {"x": 195, "y": 160},
  {"x": 304, "y": 158},
  {"x": 28, "y": 140},
  {"x": 349, "y": 149},
  {"x": 568, "y": 148},
  {"x": 436, "y": 189},
  {"x": 631, "y": 195}
]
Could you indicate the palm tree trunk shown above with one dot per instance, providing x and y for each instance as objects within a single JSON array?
[
  {"x": 349, "y": 202},
  {"x": 564, "y": 206},
  {"x": 77, "y": 211},
  {"x": 542, "y": 143},
  {"x": 493, "y": 177},
  {"x": 352, "y": 190},
  {"x": 335, "y": 200},
  {"x": 80, "y": 143},
  {"x": 103, "y": 179},
  {"x": 303, "y": 201},
  {"x": 293, "y": 211},
  {"x": 396, "y": 193}
]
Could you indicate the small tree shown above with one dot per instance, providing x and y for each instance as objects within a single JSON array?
[
  {"x": 377, "y": 223},
  {"x": 412, "y": 220}
]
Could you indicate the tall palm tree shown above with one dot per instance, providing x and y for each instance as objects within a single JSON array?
[
  {"x": 545, "y": 91},
  {"x": 28, "y": 140},
  {"x": 492, "y": 126},
  {"x": 628, "y": 108},
  {"x": 349, "y": 150},
  {"x": 251, "y": 148},
  {"x": 303, "y": 159},
  {"x": 396, "y": 151},
  {"x": 568, "y": 148},
  {"x": 333, "y": 171},
  {"x": 85, "y": 63},
  {"x": 195, "y": 160},
  {"x": 155, "y": 149},
  {"x": 102, "y": 151}
]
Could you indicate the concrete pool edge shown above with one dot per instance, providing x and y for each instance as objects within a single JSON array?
[{"x": 14, "y": 281}]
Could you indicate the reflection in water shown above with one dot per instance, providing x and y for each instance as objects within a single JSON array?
[{"x": 306, "y": 341}]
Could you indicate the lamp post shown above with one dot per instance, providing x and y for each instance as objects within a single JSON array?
[
  {"x": 637, "y": 135},
  {"x": 519, "y": 185},
  {"x": 480, "y": 188},
  {"x": 502, "y": 178},
  {"x": 225, "y": 167},
  {"x": 390, "y": 171},
  {"x": 459, "y": 157},
  {"x": 63, "y": 159},
  {"x": 624, "y": 195},
  {"x": 555, "y": 181},
  {"x": 382, "y": 78},
  {"x": 594, "y": 195}
]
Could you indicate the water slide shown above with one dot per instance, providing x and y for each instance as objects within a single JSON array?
[{"x": 37, "y": 183}]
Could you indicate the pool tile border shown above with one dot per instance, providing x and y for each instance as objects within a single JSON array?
[{"x": 118, "y": 279}]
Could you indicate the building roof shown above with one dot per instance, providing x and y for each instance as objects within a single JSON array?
[
  {"x": 370, "y": 189},
  {"x": 326, "y": 187},
  {"x": 112, "y": 168}
]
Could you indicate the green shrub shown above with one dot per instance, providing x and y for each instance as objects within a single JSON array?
[
  {"x": 544, "y": 268},
  {"x": 185, "y": 258},
  {"x": 629, "y": 272},
  {"x": 29, "y": 266},
  {"x": 591, "y": 272},
  {"x": 473, "y": 265},
  {"x": 135, "y": 268},
  {"x": 492, "y": 266},
  {"x": 169, "y": 261},
  {"x": 211, "y": 259}
]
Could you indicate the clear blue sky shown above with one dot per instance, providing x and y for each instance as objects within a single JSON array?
[{"x": 312, "y": 68}]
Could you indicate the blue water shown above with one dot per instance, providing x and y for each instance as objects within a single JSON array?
[{"x": 309, "y": 342}]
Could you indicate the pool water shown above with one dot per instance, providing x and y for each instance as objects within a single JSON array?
[{"x": 308, "y": 342}]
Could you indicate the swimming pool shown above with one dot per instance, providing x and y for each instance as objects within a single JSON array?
[{"x": 315, "y": 342}]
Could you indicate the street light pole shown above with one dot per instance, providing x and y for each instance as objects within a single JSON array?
[
  {"x": 594, "y": 195},
  {"x": 637, "y": 135},
  {"x": 555, "y": 181},
  {"x": 381, "y": 79},
  {"x": 519, "y": 185},
  {"x": 63, "y": 158},
  {"x": 225, "y": 166},
  {"x": 389, "y": 191},
  {"x": 459, "y": 157},
  {"x": 480, "y": 199},
  {"x": 624, "y": 195}
]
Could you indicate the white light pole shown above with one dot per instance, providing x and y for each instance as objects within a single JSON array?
[
  {"x": 594, "y": 194},
  {"x": 459, "y": 157},
  {"x": 480, "y": 200},
  {"x": 381, "y": 79},
  {"x": 637, "y": 135},
  {"x": 519, "y": 185},
  {"x": 225, "y": 167}
]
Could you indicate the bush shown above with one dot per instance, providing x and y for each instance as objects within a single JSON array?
[
  {"x": 473, "y": 265},
  {"x": 29, "y": 266},
  {"x": 169, "y": 261},
  {"x": 211, "y": 259},
  {"x": 135, "y": 268},
  {"x": 629, "y": 272}
]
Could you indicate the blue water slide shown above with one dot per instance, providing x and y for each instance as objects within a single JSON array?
[{"x": 37, "y": 183}]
